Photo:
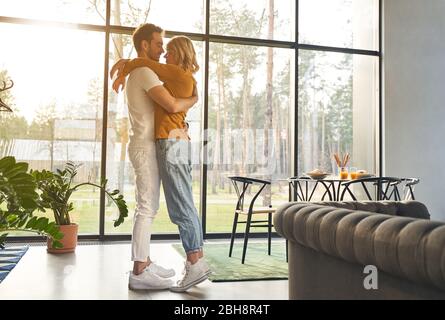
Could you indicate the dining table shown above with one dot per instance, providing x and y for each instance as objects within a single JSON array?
[
  {"x": 369, "y": 187},
  {"x": 305, "y": 188}
]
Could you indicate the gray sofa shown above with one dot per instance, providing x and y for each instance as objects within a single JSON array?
[{"x": 330, "y": 243}]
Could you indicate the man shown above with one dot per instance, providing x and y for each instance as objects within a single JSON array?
[{"x": 144, "y": 89}]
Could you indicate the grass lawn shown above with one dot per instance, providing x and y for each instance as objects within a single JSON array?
[{"x": 220, "y": 209}]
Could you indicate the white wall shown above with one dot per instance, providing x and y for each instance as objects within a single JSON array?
[{"x": 414, "y": 91}]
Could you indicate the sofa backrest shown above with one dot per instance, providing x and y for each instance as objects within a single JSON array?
[
  {"x": 406, "y": 247},
  {"x": 411, "y": 209}
]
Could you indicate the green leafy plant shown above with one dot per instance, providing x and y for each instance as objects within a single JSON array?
[
  {"x": 18, "y": 200},
  {"x": 57, "y": 187}
]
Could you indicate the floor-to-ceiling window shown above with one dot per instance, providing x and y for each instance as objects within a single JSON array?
[
  {"x": 57, "y": 103},
  {"x": 338, "y": 87},
  {"x": 283, "y": 85}
]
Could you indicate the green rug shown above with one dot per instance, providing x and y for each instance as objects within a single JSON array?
[{"x": 257, "y": 266}]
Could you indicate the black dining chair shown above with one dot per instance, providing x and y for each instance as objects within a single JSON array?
[
  {"x": 407, "y": 185},
  {"x": 304, "y": 189},
  {"x": 241, "y": 185},
  {"x": 375, "y": 188}
]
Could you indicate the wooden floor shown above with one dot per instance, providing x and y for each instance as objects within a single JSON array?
[{"x": 100, "y": 272}]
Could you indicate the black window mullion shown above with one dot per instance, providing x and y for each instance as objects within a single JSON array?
[
  {"x": 205, "y": 118},
  {"x": 295, "y": 154},
  {"x": 103, "y": 166},
  {"x": 337, "y": 49},
  {"x": 380, "y": 125}
]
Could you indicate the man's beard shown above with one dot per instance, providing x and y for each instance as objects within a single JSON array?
[{"x": 148, "y": 54}]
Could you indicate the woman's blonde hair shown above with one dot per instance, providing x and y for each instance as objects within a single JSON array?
[{"x": 185, "y": 53}]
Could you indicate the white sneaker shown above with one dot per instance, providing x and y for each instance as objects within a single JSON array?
[
  {"x": 161, "y": 271},
  {"x": 147, "y": 280},
  {"x": 205, "y": 267},
  {"x": 193, "y": 275}
]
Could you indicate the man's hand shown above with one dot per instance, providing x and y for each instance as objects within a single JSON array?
[
  {"x": 194, "y": 95},
  {"x": 118, "y": 66}
]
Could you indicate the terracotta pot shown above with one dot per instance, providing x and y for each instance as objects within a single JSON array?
[{"x": 69, "y": 239}]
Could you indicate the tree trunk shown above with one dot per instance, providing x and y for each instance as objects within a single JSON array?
[
  {"x": 307, "y": 140},
  {"x": 323, "y": 129},
  {"x": 278, "y": 144},
  {"x": 226, "y": 126},
  {"x": 216, "y": 151},
  {"x": 314, "y": 131},
  {"x": 269, "y": 107},
  {"x": 246, "y": 111},
  {"x": 51, "y": 144}
]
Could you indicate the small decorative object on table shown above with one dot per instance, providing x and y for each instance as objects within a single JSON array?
[
  {"x": 317, "y": 174},
  {"x": 363, "y": 174},
  {"x": 341, "y": 164}
]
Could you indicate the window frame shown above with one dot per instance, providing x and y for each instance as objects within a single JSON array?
[{"x": 108, "y": 29}]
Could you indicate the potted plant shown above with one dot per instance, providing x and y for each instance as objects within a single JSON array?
[
  {"x": 18, "y": 201},
  {"x": 56, "y": 189}
]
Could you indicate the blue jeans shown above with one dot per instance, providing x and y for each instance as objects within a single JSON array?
[{"x": 175, "y": 170}]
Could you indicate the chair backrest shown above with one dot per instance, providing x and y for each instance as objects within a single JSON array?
[
  {"x": 408, "y": 185},
  {"x": 383, "y": 188},
  {"x": 248, "y": 180},
  {"x": 299, "y": 188},
  {"x": 241, "y": 184}
]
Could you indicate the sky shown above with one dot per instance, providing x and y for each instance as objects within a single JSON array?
[
  {"x": 49, "y": 62},
  {"x": 44, "y": 63}
]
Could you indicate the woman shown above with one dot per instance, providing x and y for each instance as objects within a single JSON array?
[{"x": 173, "y": 151}]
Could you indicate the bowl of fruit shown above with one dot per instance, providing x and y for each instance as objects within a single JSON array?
[{"x": 317, "y": 174}]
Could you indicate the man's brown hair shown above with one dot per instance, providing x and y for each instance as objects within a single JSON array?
[{"x": 144, "y": 32}]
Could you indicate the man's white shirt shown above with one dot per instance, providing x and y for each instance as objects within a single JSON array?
[{"x": 141, "y": 107}]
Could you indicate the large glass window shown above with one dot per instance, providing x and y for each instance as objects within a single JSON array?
[
  {"x": 174, "y": 15},
  {"x": 57, "y": 102},
  {"x": 242, "y": 19},
  {"x": 253, "y": 99},
  {"x": 339, "y": 23},
  {"x": 75, "y": 11},
  {"x": 250, "y": 103},
  {"x": 338, "y": 110}
]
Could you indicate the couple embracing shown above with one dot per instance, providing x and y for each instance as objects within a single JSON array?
[{"x": 159, "y": 150}]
